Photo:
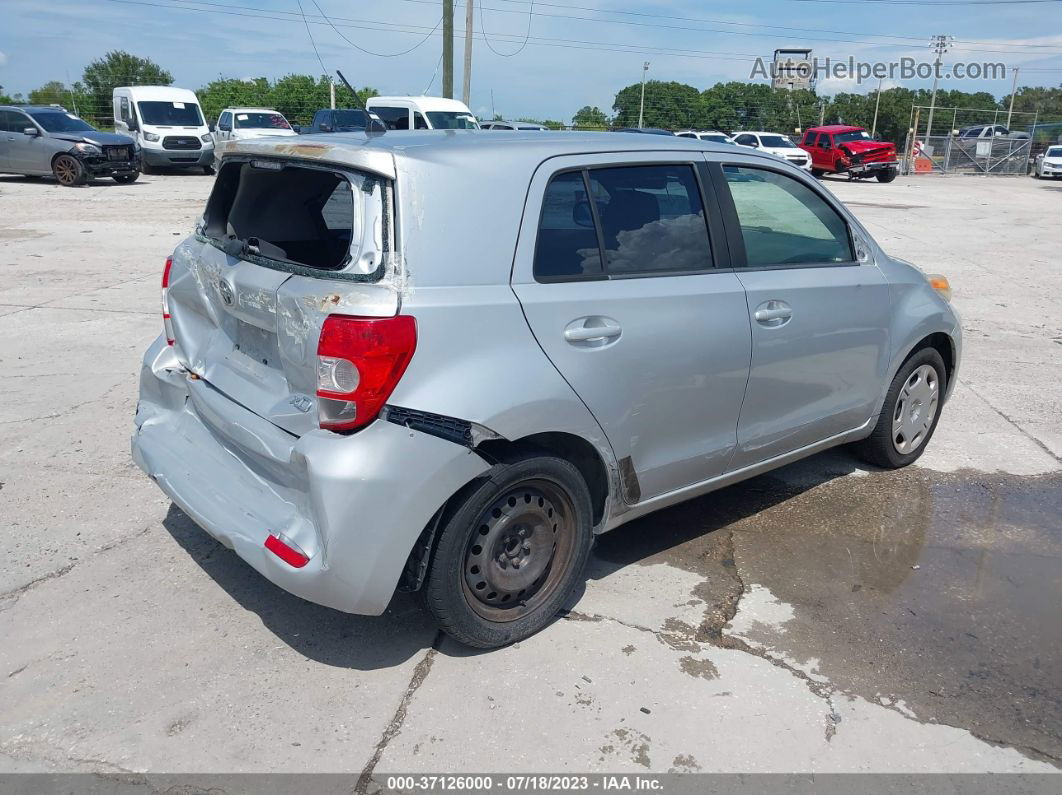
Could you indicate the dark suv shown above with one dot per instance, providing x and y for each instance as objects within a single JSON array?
[
  {"x": 339, "y": 120},
  {"x": 36, "y": 141}
]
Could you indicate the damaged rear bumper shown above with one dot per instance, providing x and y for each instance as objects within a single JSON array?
[{"x": 354, "y": 504}]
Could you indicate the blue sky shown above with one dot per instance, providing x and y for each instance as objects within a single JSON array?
[{"x": 563, "y": 66}]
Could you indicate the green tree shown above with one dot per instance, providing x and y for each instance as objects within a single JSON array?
[
  {"x": 592, "y": 117},
  {"x": 667, "y": 104},
  {"x": 118, "y": 68},
  {"x": 298, "y": 97}
]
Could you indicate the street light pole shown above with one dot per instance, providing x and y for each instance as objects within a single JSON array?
[
  {"x": 940, "y": 44},
  {"x": 641, "y": 106},
  {"x": 448, "y": 49},
  {"x": 1013, "y": 89},
  {"x": 877, "y": 104},
  {"x": 466, "y": 92}
]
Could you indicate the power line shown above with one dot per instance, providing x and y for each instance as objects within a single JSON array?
[
  {"x": 312, "y": 42},
  {"x": 370, "y": 52},
  {"x": 527, "y": 34}
]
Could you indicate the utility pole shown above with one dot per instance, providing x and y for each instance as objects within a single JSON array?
[
  {"x": 939, "y": 45},
  {"x": 466, "y": 93},
  {"x": 641, "y": 106},
  {"x": 331, "y": 93},
  {"x": 822, "y": 111},
  {"x": 877, "y": 104},
  {"x": 448, "y": 49},
  {"x": 1013, "y": 88}
]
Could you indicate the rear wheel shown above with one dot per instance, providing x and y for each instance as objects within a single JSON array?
[
  {"x": 817, "y": 172},
  {"x": 511, "y": 553},
  {"x": 125, "y": 179},
  {"x": 910, "y": 413},
  {"x": 887, "y": 176},
  {"x": 208, "y": 169},
  {"x": 68, "y": 170}
]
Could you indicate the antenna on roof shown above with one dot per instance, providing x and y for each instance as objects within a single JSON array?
[{"x": 375, "y": 126}]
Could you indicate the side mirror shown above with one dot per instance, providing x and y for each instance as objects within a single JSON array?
[
  {"x": 212, "y": 127},
  {"x": 326, "y": 127},
  {"x": 31, "y": 131},
  {"x": 582, "y": 216},
  {"x": 132, "y": 125},
  {"x": 297, "y": 128}
]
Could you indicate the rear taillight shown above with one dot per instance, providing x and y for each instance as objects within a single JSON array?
[
  {"x": 167, "y": 323},
  {"x": 287, "y": 550},
  {"x": 359, "y": 363}
]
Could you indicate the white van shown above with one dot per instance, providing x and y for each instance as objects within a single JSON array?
[
  {"x": 422, "y": 113},
  {"x": 168, "y": 124}
]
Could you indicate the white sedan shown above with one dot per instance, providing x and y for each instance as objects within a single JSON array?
[
  {"x": 1049, "y": 164},
  {"x": 774, "y": 144}
]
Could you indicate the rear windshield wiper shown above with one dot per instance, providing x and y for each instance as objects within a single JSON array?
[{"x": 238, "y": 247}]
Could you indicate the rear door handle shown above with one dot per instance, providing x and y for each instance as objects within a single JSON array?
[
  {"x": 763, "y": 315},
  {"x": 599, "y": 330}
]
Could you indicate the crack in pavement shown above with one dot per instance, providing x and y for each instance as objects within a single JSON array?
[
  {"x": 1017, "y": 427},
  {"x": 420, "y": 673},
  {"x": 9, "y": 599}
]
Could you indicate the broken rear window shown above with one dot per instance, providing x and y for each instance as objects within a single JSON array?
[{"x": 307, "y": 216}]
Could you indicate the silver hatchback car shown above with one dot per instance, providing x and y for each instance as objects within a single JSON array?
[{"x": 444, "y": 361}]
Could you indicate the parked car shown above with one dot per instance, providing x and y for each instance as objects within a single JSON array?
[
  {"x": 328, "y": 120},
  {"x": 646, "y": 130},
  {"x": 38, "y": 140},
  {"x": 774, "y": 144},
  {"x": 239, "y": 124},
  {"x": 843, "y": 149},
  {"x": 1049, "y": 164},
  {"x": 707, "y": 135},
  {"x": 664, "y": 318},
  {"x": 512, "y": 125},
  {"x": 167, "y": 124},
  {"x": 422, "y": 113},
  {"x": 990, "y": 131}
]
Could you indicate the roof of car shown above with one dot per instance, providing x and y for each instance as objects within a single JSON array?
[
  {"x": 834, "y": 128},
  {"x": 520, "y": 150},
  {"x": 757, "y": 132},
  {"x": 422, "y": 102},
  {"x": 159, "y": 93},
  {"x": 35, "y": 108},
  {"x": 251, "y": 110}
]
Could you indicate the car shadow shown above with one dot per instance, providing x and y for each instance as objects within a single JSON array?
[
  {"x": 319, "y": 633},
  {"x": 367, "y": 643},
  {"x": 50, "y": 182}
]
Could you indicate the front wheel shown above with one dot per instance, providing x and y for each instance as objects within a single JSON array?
[
  {"x": 125, "y": 179},
  {"x": 69, "y": 171},
  {"x": 887, "y": 176},
  {"x": 817, "y": 172},
  {"x": 910, "y": 413},
  {"x": 511, "y": 552},
  {"x": 208, "y": 169}
]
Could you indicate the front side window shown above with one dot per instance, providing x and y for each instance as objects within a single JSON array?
[
  {"x": 170, "y": 114},
  {"x": 225, "y": 122},
  {"x": 451, "y": 120},
  {"x": 746, "y": 140},
  {"x": 784, "y": 222},
  {"x": 643, "y": 220},
  {"x": 810, "y": 138},
  {"x": 419, "y": 122},
  {"x": 393, "y": 118},
  {"x": 777, "y": 142}
]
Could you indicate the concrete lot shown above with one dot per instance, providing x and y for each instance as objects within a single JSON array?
[{"x": 822, "y": 618}]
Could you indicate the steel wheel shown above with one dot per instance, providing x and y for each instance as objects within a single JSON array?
[
  {"x": 916, "y": 408},
  {"x": 520, "y": 550},
  {"x": 68, "y": 170}
]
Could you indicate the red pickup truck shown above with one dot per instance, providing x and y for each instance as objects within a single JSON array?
[{"x": 841, "y": 149}]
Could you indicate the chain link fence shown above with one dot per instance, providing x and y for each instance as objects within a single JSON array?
[{"x": 952, "y": 154}]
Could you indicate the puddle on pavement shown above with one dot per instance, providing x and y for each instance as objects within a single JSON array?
[{"x": 943, "y": 591}]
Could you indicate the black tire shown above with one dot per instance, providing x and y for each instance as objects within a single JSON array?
[
  {"x": 68, "y": 171},
  {"x": 880, "y": 448},
  {"x": 817, "y": 172},
  {"x": 125, "y": 179},
  {"x": 473, "y": 590},
  {"x": 838, "y": 167},
  {"x": 147, "y": 168},
  {"x": 887, "y": 176},
  {"x": 208, "y": 169}
]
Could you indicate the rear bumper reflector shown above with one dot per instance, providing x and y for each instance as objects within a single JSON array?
[{"x": 286, "y": 551}]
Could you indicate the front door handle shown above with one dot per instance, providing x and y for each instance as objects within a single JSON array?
[
  {"x": 773, "y": 313},
  {"x": 592, "y": 331}
]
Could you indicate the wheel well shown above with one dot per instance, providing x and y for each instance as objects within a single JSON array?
[
  {"x": 573, "y": 449},
  {"x": 943, "y": 345}
]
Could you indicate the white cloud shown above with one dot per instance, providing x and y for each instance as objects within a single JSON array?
[{"x": 834, "y": 85}]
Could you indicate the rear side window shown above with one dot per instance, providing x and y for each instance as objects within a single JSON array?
[
  {"x": 810, "y": 138},
  {"x": 311, "y": 217},
  {"x": 784, "y": 222},
  {"x": 393, "y": 118},
  {"x": 641, "y": 220}
]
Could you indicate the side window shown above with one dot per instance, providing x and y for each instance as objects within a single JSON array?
[
  {"x": 225, "y": 122},
  {"x": 567, "y": 245},
  {"x": 810, "y": 138},
  {"x": 824, "y": 141},
  {"x": 7, "y": 121},
  {"x": 393, "y": 118},
  {"x": 125, "y": 112},
  {"x": 13, "y": 121},
  {"x": 419, "y": 122},
  {"x": 648, "y": 219},
  {"x": 784, "y": 222},
  {"x": 686, "y": 135},
  {"x": 744, "y": 140}
]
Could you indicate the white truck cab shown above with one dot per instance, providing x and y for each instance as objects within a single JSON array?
[
  {"x": 422, "y": 113},
  {"x": 168, "y": 124}
]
